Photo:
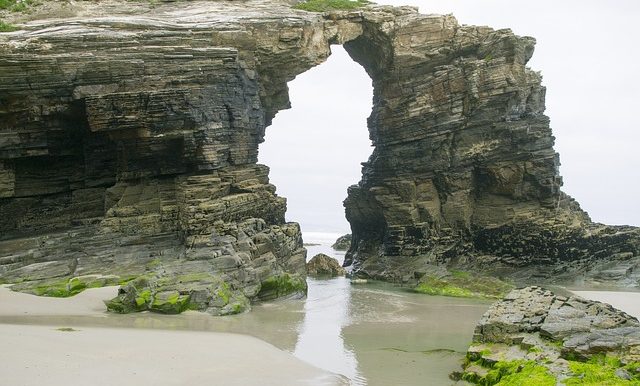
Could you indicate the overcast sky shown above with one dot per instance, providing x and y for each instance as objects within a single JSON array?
[{"x": 588, "y": 54}]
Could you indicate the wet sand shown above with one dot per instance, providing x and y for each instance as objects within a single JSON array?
[
  {"x": 370, "y": 335},
  {"x": 62, "y": 355},
  {"x": 41, "y": 355}
]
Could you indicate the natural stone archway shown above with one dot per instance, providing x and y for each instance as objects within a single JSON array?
[
  {"x": 464, "y": 172},
  {"x": 128, "y": 148}
]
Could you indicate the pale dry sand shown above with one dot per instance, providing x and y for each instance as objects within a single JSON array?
[
  {"x": 628, "y": 302},
  {"x": 45, "y": 355}
]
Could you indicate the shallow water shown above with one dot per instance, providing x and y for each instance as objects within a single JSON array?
[{"x": 374, "y": 334}]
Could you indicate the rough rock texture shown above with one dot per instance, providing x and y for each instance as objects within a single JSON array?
[
  {"x": 584, "y": 327},
  {"x": 464, "y": 172},
  {"x": 128, "y": 148},
  {"x": 323, "y": 265},
  {"x": 129, "y": 140},
  {"x": 342, "y": 243},
  {"x": 534, "y": 324}
]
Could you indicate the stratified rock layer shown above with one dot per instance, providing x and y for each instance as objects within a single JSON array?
[
  {"x": 128, "y": 149},
  {"x": 464, "y": 172},
  {"x": 535, "y": 328}
]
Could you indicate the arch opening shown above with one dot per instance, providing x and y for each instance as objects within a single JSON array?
[{"x": 315, "y": 149}]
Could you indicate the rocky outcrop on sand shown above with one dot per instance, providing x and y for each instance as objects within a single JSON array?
[
  {"x": 129, "y": 140},
  {"x": 534, "y": 332},
  {"x": 342, "y": 243},
  {"x": 323, "y": 265}
]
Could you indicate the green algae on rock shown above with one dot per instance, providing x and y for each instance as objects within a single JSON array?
[
  {"x": 66, "y": 286},
  {"x": 463, "y": 284},
  {"x": 282, "y": 285},
  {"x": 197, "y": 292},
  {"x": 537, "y": 334}
]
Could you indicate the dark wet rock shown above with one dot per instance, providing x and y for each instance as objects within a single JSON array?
[
  {"x": 342, "y": 243},
  {"x": 562, "y": 336},
  {"x": 323, "y": 265}
]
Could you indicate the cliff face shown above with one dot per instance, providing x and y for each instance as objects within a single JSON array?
[
  {"x": 128, "y": 149},
  {"x": 464, "y": 173}
]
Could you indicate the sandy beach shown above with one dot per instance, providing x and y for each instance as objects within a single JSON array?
[
  {"x": 57, "y": 355},
  {"x": 68, "y": 341}
]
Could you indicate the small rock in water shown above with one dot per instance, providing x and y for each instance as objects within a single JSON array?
[
  {"x": 323, "y": 265},
  {"x": 342, "y": 243},
  {"x": 358, "y": 281}
]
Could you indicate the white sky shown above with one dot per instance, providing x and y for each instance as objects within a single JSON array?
[{"x": 588, "y": 53}]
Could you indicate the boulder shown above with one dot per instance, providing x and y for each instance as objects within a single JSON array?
[
  {"x": 342, "y": 243},
  {"x": 555, "y": 337},
  {"x": 323, "y": 265}
]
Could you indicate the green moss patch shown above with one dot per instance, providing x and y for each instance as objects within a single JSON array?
[
  {"x": 281, "y": 285},
  {"x": 329, "y": 5},
  {"x": 464, "y": 285},
  {"x": 6, "y": 27},
  {"x": 66, "y": 287},
  {"x": 17, "y": 5},
  {"x": 224, "y": 293},
  {"x": 512, "y": 373},
  {"x": 601, "y": 370},
  {"x": 171, "y": 302},
  {"x": 433, "y": 286}
]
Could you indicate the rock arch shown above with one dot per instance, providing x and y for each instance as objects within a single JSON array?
[{"x": 128, "y": 148}]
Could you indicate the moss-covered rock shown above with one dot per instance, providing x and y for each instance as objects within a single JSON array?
[
  {"x": 534, "y": 337},
  {"x": 281, "y": 285},
  {"x": 463, "y": 284},
  {"x": 169, "y": 302},
  {"x": 67, "y": 286},
  {"x": 134, "y": 296},
  {"x": 169, "y": 295},
  {"x": 604, "y": 370}
]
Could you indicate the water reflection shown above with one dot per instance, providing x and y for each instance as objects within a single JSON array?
[
  {"x": 373, "y": 334},
  {"x": 320, "y": 341}
]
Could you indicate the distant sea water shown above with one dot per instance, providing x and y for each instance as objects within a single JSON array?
[{"x": 320, "y": 242}]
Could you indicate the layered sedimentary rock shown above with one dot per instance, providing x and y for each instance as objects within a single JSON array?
[
  {"x": 464, "y": 172},
  {"x": 128, "y": 149},
  {"x": 534, "y": 332}
]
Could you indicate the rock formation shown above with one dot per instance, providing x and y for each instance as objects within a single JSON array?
[
  {"x": 128, "y": 149},
  {"x": 562, "y": 337},
  {"x": 323, "y": 265},
  {"x": 342, "y": 243}
]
